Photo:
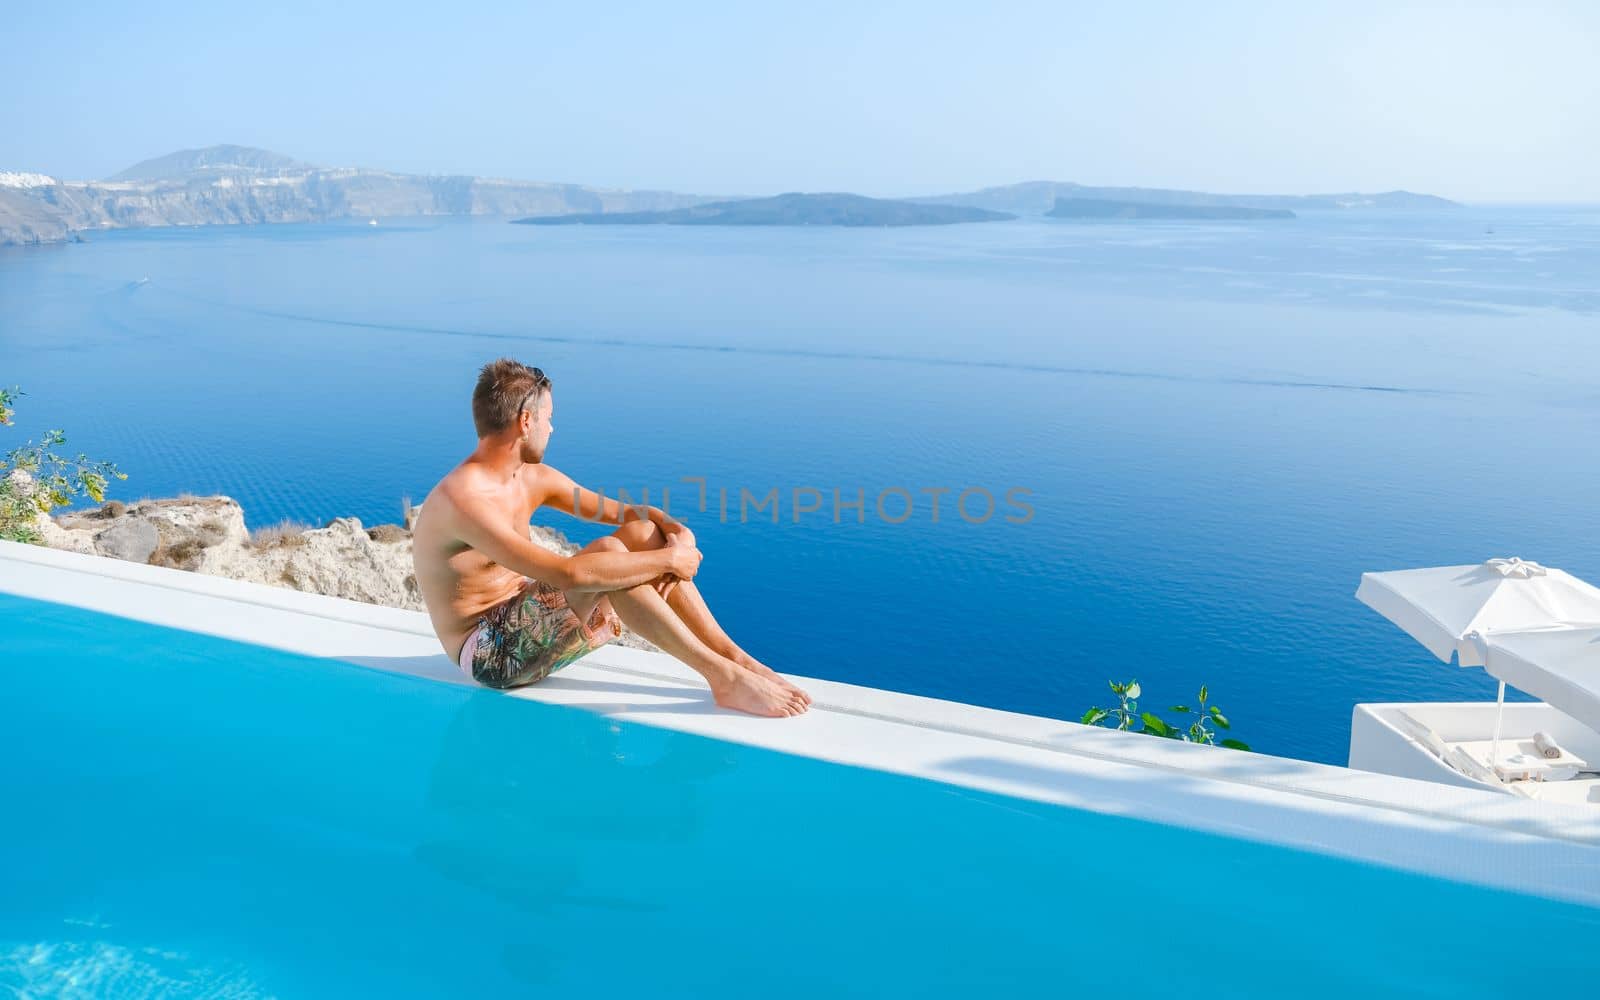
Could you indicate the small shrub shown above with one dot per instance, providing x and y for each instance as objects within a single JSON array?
[
  {"x": 284, "y": 534},
  {"x": 57, "y": 479},
  {"x": 184, "y": 554},
  {"x": 1196, "y": 727},
  {"x": 16, "y": 516}
]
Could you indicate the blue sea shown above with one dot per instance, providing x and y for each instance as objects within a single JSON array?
[{"x": 1209, "y": 430}]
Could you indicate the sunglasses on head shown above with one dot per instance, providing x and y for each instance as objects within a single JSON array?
[{"x": 540, "y": 383}]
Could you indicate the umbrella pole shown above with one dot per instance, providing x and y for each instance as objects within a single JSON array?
[{"x": 1499, "y": 713}]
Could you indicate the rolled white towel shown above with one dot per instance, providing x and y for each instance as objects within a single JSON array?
[{"x": 1546, "y": 746}]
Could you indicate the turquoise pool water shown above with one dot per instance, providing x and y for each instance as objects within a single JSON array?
[{"x": 192, "y": 816}]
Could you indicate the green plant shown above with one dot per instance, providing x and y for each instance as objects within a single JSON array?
[
  {"x": 56, "y": 479},
  {"x": 1196, "y": 727},
  {"x": 16, "y": 516},
  {"x": 1125, "y": 713}
]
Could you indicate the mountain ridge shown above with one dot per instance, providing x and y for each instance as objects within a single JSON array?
[
  {"x": 232, "y": 184},
  {"x": 1104, "y": 209},
  {"x": 1039, "y": 197},
  {"x": 224, "y": 158}
]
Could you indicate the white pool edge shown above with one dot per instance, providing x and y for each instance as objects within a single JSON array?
[{"x": 1457, "y": 833}]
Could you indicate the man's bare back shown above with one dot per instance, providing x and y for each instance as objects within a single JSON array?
[
  {"x": 458, "y": 582},
  {"x": 479, "y": 571}
]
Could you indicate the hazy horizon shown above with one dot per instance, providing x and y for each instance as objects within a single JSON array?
[
  {"x": 762, "y": 194},
  {"x": 1472, "y": 103}
]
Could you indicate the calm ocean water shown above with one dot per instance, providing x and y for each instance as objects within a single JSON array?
[{"x": 1219, "y": 426}]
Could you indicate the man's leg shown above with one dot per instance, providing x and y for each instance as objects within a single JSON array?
[
  {"x": 647, "y": 613},
  {"x": 686, "y": 601}
]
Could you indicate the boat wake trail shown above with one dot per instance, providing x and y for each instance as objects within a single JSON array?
[{"x": 810, "y": 353}]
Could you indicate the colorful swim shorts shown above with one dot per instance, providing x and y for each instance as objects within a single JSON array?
[{"x": 532, "y": 635}]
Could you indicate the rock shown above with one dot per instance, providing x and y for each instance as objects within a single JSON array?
[
  {"x": 21, "y": 481},
  {"x": 128, "y": 538},
  {"x": 388, "y": 534},
  {"x": 183, "y": 529},
  {"x": 203, "y": 521},
  {"x": 52, "y": 535},
  {"x": 339, "y": 560}
]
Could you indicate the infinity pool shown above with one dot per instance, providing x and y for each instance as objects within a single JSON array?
[{"x": 189, "y": 816}]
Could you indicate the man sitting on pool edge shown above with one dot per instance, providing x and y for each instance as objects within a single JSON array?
[{"x": 511, "y": 612}]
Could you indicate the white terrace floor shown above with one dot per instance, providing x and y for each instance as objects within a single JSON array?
[{"x": 1453, "y": 832}]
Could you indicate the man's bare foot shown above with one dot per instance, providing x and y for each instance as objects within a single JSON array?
[
  {"x": 747, "y": 691},
  {"x": 756, "y": 666}
]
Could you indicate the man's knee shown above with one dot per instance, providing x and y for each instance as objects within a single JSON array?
[
  {"x": 606, "y": 543},
  {"x": 637, "y": 535}
]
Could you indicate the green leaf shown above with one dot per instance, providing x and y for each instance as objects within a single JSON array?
[
  {"x": 1152, "y": 724},
  {"x": 1181, "y": 708},
  {"x": 1202, "y": 694},
  {"x": 1115, "y": 687},
  {"x": 1094, "y": 716},
  {"x": 1219, "y": 718},
  {"x": 1233, "y": 744}
]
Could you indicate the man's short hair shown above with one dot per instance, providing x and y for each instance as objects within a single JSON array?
[{"x": 505, "y": 388}]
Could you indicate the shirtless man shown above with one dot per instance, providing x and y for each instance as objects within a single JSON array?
[{"x": 511, "y": 612}]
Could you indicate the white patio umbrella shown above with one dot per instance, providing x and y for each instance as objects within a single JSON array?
[
  {"x": 1452, "y": 609},
  {"x": 1456, "y": 611},
  {"x": 1560, "y": 666}
]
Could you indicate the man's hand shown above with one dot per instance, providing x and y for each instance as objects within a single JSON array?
[
  {"x": 685, "y": 561},
  {"x": 678, "y": 533}
]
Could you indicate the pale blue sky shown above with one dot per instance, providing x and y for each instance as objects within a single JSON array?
[{"x": 1483, "y": 102}]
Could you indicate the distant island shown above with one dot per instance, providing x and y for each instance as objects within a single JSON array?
[
  {"x": 1039, "y": 197},
  {"x": 231, "y": 185},
  {"x": 1094, "y": 208},
  {"x": 786, "y": 210}
]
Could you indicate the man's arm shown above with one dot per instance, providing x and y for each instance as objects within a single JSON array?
[
  {"x": 479, "y": 525},
  {"x": 568, "y": 497},
  {"x": 558, "y": 490}
]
